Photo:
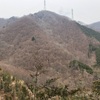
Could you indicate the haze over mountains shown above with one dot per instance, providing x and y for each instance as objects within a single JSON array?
[
  {"x": 95, "y": 26},
  {"x": 5, "y": 22},
  {"x": 49, "y": 40}
]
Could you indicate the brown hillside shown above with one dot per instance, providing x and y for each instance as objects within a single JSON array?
[{"x": 57, "y": 41}]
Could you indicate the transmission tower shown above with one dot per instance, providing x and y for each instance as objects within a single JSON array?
[
  {"x": 44, "y": 4},
  {"x": 72, "y": 14}
]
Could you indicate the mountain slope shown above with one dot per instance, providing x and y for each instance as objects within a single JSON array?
[
  {"x": 46, "y": 39},
  {"x": 12, "y": 88},
  {"x": 90, "y": 32}
]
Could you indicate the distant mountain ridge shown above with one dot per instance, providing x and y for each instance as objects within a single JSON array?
[
  {"x": 95, "y": 26},
  {"x": 5, "y": 22}
]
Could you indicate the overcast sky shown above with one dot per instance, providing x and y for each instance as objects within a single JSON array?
[{"x": 87, "y": 11}]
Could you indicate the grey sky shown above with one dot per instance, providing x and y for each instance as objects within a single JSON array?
[{"x": 87, "y": 11}]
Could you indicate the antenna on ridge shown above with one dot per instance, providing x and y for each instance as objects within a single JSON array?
[
  {"x": 72, "y": 14},
  {"x": 44, "y": 4}
]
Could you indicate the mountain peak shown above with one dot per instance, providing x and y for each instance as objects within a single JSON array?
[{"x": 48, "y": 14}]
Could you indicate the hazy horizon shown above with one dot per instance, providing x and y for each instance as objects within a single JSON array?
[{"x": 86, "y": 11}]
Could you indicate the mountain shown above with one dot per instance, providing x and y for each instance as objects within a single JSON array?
[
  {"x": 6, "y": 22},
  {"x": 95, "y": 26},
  {"x": 46, "y": 39},
  {"x": 81, "y": 23}
]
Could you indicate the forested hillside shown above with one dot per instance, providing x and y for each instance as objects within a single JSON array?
[{"x": 65, "y": 49}]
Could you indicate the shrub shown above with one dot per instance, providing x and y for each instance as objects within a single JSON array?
[
  {"x": 98, "y": 56},
  {"x": 81, "y": 66},
  {"x": 96, "y": 87},
  {"x": 33, "y": 38}
]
